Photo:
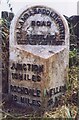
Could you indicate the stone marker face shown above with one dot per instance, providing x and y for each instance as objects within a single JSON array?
[
  {"x": 40, "y": 25},
  {"x": 39, "y": 44}
]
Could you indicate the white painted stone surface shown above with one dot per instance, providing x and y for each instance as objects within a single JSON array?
[{"x": 46, "y": 84}]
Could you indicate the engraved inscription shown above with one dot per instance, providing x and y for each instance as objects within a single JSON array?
[
  {"x": 40, "y": 25},
  {"x": 35, "y": 76}
]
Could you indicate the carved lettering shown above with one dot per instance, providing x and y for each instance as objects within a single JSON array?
[
  {"x": 27, "y": 67},
  {"x": 26, "y": 101},
  {"x": 30, "y": 102},
  {"x": 53, "y": 91},
  {"x": 28, "y": 77},
  {"x": 25, "y": 91},
  {"x": 41, "y": 23},
  {"x": 45, "y": 38}
]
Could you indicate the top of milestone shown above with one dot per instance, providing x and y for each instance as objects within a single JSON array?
[{"x": 39, "y": 25}]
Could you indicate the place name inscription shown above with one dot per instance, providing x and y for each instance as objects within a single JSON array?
[
  {"x": 50, "y": 27},
  {"x": 21, "y": 95},
  {"x": 22, "y": 72}
]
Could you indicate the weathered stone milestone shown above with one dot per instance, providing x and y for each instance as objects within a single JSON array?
[{"x": 39, "y": 46}]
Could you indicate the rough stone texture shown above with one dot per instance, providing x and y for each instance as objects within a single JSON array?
[
  {"x": 54, "y": 74},
  {"x": 38, "y": 72}
]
